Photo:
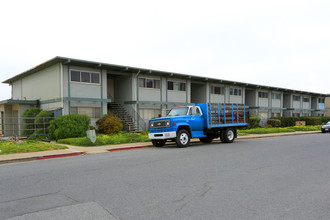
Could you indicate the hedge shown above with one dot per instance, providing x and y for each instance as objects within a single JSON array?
[{"x": 310, "y": 120}]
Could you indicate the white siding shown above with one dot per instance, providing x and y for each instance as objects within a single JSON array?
[{"x": 43, "y": 85}]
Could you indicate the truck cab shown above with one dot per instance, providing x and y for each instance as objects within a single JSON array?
[{"x": 194, "y": 121}]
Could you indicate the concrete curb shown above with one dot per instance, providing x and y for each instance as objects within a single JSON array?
[
  {"x": 45, "y": 157},
  {"x": 59, "y": 155},
  {"x": 126, "y": 148}
]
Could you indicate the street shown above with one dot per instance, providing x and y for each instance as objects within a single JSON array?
[{"x": 269, "y": 178}]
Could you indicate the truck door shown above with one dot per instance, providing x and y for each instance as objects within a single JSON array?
[{"x": 197, "y": 120}]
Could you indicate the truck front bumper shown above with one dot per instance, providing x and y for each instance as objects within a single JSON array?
[{"x": 162, "y": 135}]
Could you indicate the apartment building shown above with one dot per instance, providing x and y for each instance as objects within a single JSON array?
[{"x": 65, "y": 85}]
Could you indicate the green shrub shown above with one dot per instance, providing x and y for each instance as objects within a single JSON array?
[
  {"x": 69, "y": 126},
  {"x": 274, "y": 122},
  {"x": 42, "y": 122},
  {"x": 253, "y": 121},
  {"x": 28, "y": 118},
  {"x": 109, "y": 124},
  {"x": 310, "y": 120}
]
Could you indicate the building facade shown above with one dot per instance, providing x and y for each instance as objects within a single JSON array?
[{"x": 64, "y": 85}]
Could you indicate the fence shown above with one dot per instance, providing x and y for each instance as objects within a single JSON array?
[{"x": 27, "y": 126}]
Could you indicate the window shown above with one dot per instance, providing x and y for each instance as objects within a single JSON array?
[
  {"x": 178, "y": 86},
  {"x": 75, "y": 76},
  {"x": 295, "y": 115},
  {"x": 263, "y": 95},
  {"x": 296, "y": 98},
  {"x": 234, "y": 91},
  {"x": 194, "y": 111},
  {"x": 321, "y": 100},
  {"x": 274, "y": 114},
  {"x": 92, "y": 112},
  {"x": 276, "y": 96},
  {"x": 219, "y": 90},
  {"x": 149, "y": 83},
  {"x": 95, "y": 78},
  {"x": 306, "y": 99},
  {"x": 85, "y": 77}
]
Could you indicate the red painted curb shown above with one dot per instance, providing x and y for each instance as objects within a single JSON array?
[
  {"x": 125, "y": 148},
  {"x": 57, "y": 156}
]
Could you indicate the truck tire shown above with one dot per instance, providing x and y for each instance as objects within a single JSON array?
[
  {"x": 158, "y": 143},
  {"x": 229, "y": 135},
  {"x": 206, "y": 140},
  {"x": 183, "y": 138},
  {"x": 222, "y": 139}
]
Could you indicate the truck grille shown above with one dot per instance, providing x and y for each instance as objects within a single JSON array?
[{"x": 160, "y": 124}]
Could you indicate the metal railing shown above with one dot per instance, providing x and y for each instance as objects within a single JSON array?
[
  {"x": 141, "y": 124},
  {"x": 25, "y": 126}
]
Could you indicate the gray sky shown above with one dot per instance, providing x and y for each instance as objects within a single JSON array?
[{"x": 279, "y": 43}]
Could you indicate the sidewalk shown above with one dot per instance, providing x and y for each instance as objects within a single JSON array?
[{"x": 75, "y": 150}]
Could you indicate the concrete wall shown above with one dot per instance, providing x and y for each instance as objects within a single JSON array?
[
  {"x": 86, "y": 90},
  {"x": 43, "y": 85},
  {"x": 216, "y": 98},
  {"x": 296, "y": 104},
  {"x": 327, "y": 106},
  {"x": 251, "y": 97},
  {"x": 198, "y": 93},
  {"x": 149, "y": 94},
  {"x": 177, "y": 96},
  {"x": 122, "y": 89},
  {"x": 287, "y": 100},
  {"x": 234, "y": 98}
]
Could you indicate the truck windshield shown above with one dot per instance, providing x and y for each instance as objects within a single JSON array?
[{"x": 178, "y": 111}]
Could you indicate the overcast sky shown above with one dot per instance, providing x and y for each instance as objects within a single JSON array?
[{"x": 278, "y": 43}]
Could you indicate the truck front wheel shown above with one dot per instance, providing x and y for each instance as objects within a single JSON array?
[
  {"x": 158, "y": 143},
  {"x": 228, "y": 136},
  {"x": 183, "y": 138}
]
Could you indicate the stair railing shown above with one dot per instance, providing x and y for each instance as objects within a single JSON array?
[{"x": 132, "y": 113}]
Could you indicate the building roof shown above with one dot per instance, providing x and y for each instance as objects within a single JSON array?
[
  {"x": 12, "y": 101},
  {"x": 124, "y": 70}
]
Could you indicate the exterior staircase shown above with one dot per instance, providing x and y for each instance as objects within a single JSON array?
[{"x": 130, "y": 124}]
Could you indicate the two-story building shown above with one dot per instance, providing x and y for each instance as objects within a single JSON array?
[{"x": 65, "y": 85}]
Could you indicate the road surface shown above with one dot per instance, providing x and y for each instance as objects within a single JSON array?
[{"x": 270, "y": 178}]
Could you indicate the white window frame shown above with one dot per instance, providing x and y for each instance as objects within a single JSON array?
[
  {"x": 296, "y": 96},
  {"x": 178, "y": 90},
  {"x": 263, "y": 95},
  {"x": 222, "y": 90},
  {"x": 145, "y": 83},
  {"x": 276, "y": 94},
  {"x": 79, "y": 108},
  {"x": 88, "y": 83},
  {"x": 238, "y": 90}
]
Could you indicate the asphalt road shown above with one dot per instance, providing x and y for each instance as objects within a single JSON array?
[{"x": 270, "y": 178}]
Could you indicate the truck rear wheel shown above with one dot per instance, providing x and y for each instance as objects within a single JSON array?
[
  {"x": 206, "y": 140},
  {"x": 158, "y": 143},
  {"x": 183, "y": 138},
  {"x": 228, "y": 136}
]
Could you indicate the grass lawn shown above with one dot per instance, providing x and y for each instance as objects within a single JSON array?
[
  {"x": 9, "y": 147},
  {"x": 279, "y": 130},
  {"x": 124, "y": 138},
  {"x": 121, "y": 138}
]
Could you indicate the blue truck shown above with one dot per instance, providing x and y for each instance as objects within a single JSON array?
[{"x": 205, "y": 121}]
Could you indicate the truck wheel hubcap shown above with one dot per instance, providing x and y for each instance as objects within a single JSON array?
[
  {"x": 184, "y": 138},
  {"x": 230, "y": 135}
]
